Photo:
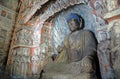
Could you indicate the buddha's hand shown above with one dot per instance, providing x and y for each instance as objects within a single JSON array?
[{"x": 87, "y": 64}]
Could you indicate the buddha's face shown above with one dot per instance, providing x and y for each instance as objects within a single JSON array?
[{"x": 74, "y": 25}]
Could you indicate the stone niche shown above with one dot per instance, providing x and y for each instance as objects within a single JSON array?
[
  {"x": 61, "y": 30},
  {"x": 92, "y": 23}
]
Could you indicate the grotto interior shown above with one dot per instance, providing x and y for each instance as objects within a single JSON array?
[{"x": 59, "y": 39}]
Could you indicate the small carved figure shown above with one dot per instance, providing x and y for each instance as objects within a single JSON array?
[{"x": 105, "y": 61}]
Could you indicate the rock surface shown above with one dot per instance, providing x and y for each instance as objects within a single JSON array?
[{"x": 84, "y": 69}]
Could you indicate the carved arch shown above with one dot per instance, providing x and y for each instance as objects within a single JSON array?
[{"x": 57, "y": 7}]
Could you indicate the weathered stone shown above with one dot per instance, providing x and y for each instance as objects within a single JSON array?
[
  {"x": 24, "y": 58},
  {"x": 53, "y": 9},
  {"x": 78, "y": 49},
  {"x": 67, "y": 76},
  {"x": 105, "y": 63},
  {"x": 62, "y": 55},
  {"x": 115, "y": 47},
  {"x": 83, "y": 69},
  {"x": 7, "y": 20},
  {"x": 80, "y": 53}
]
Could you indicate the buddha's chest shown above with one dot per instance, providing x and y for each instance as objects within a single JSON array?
[{"x": 77, "y": 40}]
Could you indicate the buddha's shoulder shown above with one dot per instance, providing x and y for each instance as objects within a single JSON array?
[
  {"x": 85, "y": 31},
  {"x": 81, "y": 32}
]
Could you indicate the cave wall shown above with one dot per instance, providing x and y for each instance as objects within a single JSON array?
[
  {"x": 10, "y": 4},
  {"x": 7, "y": 22}
]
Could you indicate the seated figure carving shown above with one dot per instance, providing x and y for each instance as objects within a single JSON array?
[{"x": 79, "y": 54}]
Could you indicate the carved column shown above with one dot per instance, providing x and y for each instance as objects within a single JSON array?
[
  {"x": 24, "y": 56},
  {"x": 24, "y": 59}
]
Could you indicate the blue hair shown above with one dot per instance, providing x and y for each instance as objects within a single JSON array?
[{"x": 73, "y": 16}]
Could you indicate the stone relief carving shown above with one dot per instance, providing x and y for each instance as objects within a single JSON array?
[
  {"x": 26, "y": 37},
  {"x": 111, "y": 4},
  {"x": 105, "y": 61},
  {"x": 28, "y": 9},
  {"x": 98, "y": 11},
  {"x": 24, "y": 56},
  {"x": 24, "y": 62},
  {"x": 57, "y": 7},
  {"x": 108, "y": 53},
  {"x": 115, "y": 46}
]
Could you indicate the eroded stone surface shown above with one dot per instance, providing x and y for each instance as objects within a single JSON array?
[{"x": 83, "y": 69}]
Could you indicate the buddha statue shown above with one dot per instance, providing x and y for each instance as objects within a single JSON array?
[
  {"x": 78, "y": 57},
  {"x": 79, "y": 43}
]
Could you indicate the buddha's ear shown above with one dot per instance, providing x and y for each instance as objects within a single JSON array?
[{"x": 81, "y": 23}]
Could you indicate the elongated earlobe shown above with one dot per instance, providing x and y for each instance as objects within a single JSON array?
[{"x": 81, "y": 23}]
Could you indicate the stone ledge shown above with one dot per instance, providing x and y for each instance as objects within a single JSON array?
[{"x": 112, "y": 13}]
